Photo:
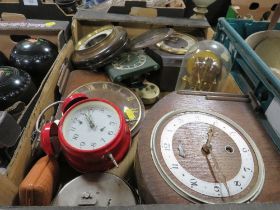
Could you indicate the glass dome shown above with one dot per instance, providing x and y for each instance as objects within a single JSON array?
[{"x": 205, "y": 67}]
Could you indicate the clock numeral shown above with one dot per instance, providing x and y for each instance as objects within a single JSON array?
[
  {"x": 72, "y": 129},
  {"x": 135, "y": 110},
  {"x": 102, "y": 139},
  {"x": 104, "y": 86},
  {"x": 112, "y": 123},
  {"x": 216, "y": 188},
  {"x": 110, "y": 132},
  {"x": 166, "y": 146},
  {"x": 175, "y": 166},
  {"x": 193, "y": 182},
  {"x": 91, "y": 88},
  {"x": 75, "y": 136},
  {"x": 245, "y": 150},
  {"x": 108, "y": 115},
  {"x": 237, "y": 183},
  {"x": 131, "y": 98},
  {"x": 82, "y": 143},
  {"x": 247, "y": 169},
  {"x": 93, "y": 144}
]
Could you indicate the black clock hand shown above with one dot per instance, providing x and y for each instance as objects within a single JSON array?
[{"x": 91, "y": 124}]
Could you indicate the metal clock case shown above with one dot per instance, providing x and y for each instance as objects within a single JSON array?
[
  {"x": 131, "y": 106},
  {"x": 15, "y": 85},
  {"x": 204, "y": 147},
  {"x": 92, "y": 134},
  {"x": 150, "y": 37},
  {"x": 177, "y": 43},
  {"x": 99, "y": 47},
  {"x": 130, "y": 66},
  {"x": 170, "y": 52},
  {"x": 95, "y": 189}
]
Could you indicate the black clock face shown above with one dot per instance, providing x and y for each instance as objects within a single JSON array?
[{"x": 129, "y": 60}]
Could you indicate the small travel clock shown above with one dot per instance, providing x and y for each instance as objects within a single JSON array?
[
  {"x": 130, "y": 65},
  {"x": 92, "y": 134}
]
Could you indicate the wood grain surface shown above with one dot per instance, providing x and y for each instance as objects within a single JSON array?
[{"x": 153, "y": 188}]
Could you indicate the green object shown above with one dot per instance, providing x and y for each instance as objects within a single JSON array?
[
  {"x": 231, "y": 13},
  {"x": 130, "y": 65}
]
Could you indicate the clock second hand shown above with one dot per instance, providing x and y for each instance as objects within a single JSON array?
[{"x": 207, "y": 148}]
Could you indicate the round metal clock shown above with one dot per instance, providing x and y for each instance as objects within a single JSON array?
[
  {"x": 177, "y": 43},
  {"x": 131, "y": 106},
  {"x": 150, "y": 37},
  {"x": 206, "y": 157},
  {"x": 92, "y": 134},
  {"x": 127, "y": 61}
]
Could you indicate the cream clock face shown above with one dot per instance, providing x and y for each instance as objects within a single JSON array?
[{"x": 229, "y": 170}]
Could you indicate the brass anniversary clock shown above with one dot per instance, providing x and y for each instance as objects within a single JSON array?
[{"x": 197, "y": 151}]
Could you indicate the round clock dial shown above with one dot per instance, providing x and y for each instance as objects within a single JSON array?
[
  {"x": 125, "y": 99},
  {"x": 206, "y": 157},
  {"x": 177, "y": 43},
  {"x": 129, "y": 60},
  {"x": 91, "y": 125}
]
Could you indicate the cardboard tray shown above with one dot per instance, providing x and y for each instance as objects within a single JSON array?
[
  {"x": 56, "y": 32},
  {"x": 169, "y": 11},
  {"x": 82, "y": 24},
  {"x": 35, "y": 9}
]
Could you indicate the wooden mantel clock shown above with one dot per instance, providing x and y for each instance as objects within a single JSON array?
[{"x": 202, "y": 147}]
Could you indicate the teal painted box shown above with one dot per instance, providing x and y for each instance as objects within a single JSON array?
[{"x": 252, "y": 75}]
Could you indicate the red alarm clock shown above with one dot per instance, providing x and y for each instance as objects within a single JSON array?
[{"x": 92, "y": 134}]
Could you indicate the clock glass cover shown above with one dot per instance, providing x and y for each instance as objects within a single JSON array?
[
  {"x": 91, "y": 125},
  {"x": 127, "y": 61},
  {"x": 125, "y": 99},
  {"x": 206, "y": 157}
]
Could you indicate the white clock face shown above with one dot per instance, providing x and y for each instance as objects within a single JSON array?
[
  {"x": 229, "y": 171},
  {"x": 91, "y": 125}
]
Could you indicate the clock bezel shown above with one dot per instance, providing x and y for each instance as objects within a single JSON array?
[
  {"x": 107, "y": 147},
  {"x": 255, "y": 191}
]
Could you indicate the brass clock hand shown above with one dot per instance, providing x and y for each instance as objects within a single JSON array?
[
  {"x": 215, "y": 169},
  {"x": 207, "y": 149}
]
